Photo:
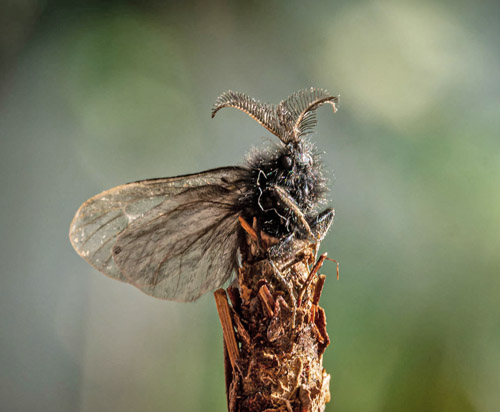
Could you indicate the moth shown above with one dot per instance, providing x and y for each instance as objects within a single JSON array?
[{"x": 177, "y": 238}]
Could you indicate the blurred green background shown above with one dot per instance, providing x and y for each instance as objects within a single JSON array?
[{"x": 95, "y": 94}]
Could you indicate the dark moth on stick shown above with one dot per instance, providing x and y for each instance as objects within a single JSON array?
[{"x": 178, "y": 238}]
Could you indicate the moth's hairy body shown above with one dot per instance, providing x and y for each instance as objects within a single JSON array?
[
  {"x": 295, "y": 168},
  {"x": 177, "y": 238}
]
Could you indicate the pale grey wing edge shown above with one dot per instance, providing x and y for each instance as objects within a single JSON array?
[
  {"x": 184, "y": 247},
  {"x": 101, "y": 219}
]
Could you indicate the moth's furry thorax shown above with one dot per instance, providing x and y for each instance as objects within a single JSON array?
[{"x": 294, "y": 167}]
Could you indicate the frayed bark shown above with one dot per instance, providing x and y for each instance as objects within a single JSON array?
[{"x": 279, "y": 328}]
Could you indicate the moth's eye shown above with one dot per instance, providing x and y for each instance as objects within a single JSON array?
[{"x": 286, "y": 162}]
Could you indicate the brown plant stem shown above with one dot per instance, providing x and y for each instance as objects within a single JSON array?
[{"x": 274, "y": 331}]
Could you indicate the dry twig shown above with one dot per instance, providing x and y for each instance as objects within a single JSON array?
[{"x": 276, "y": 352}]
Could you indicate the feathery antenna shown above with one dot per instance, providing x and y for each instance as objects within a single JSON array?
[{"x": 290, "y": 120}]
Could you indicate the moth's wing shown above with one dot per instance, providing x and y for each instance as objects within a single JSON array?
[
  {"x": 101, "y": 219},
  {"x": 184, "y": 247}
]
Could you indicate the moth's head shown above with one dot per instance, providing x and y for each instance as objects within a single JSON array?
[
  {"x": 297, "y": 156},
  {"x": 300, "y": 171}
]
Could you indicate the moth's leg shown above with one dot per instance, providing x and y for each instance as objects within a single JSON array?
[
  {"x": 287, "y": 286},
  {"x": 289, "y": 202},
  {"x": 321, "y": 223}
]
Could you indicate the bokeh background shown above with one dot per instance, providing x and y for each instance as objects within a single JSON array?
[{"x": 95, "y": 94}]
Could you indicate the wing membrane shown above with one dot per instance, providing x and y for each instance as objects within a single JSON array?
[
  {"x": 175, "y": 237},
  {"x": 182, "y": 248}
]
